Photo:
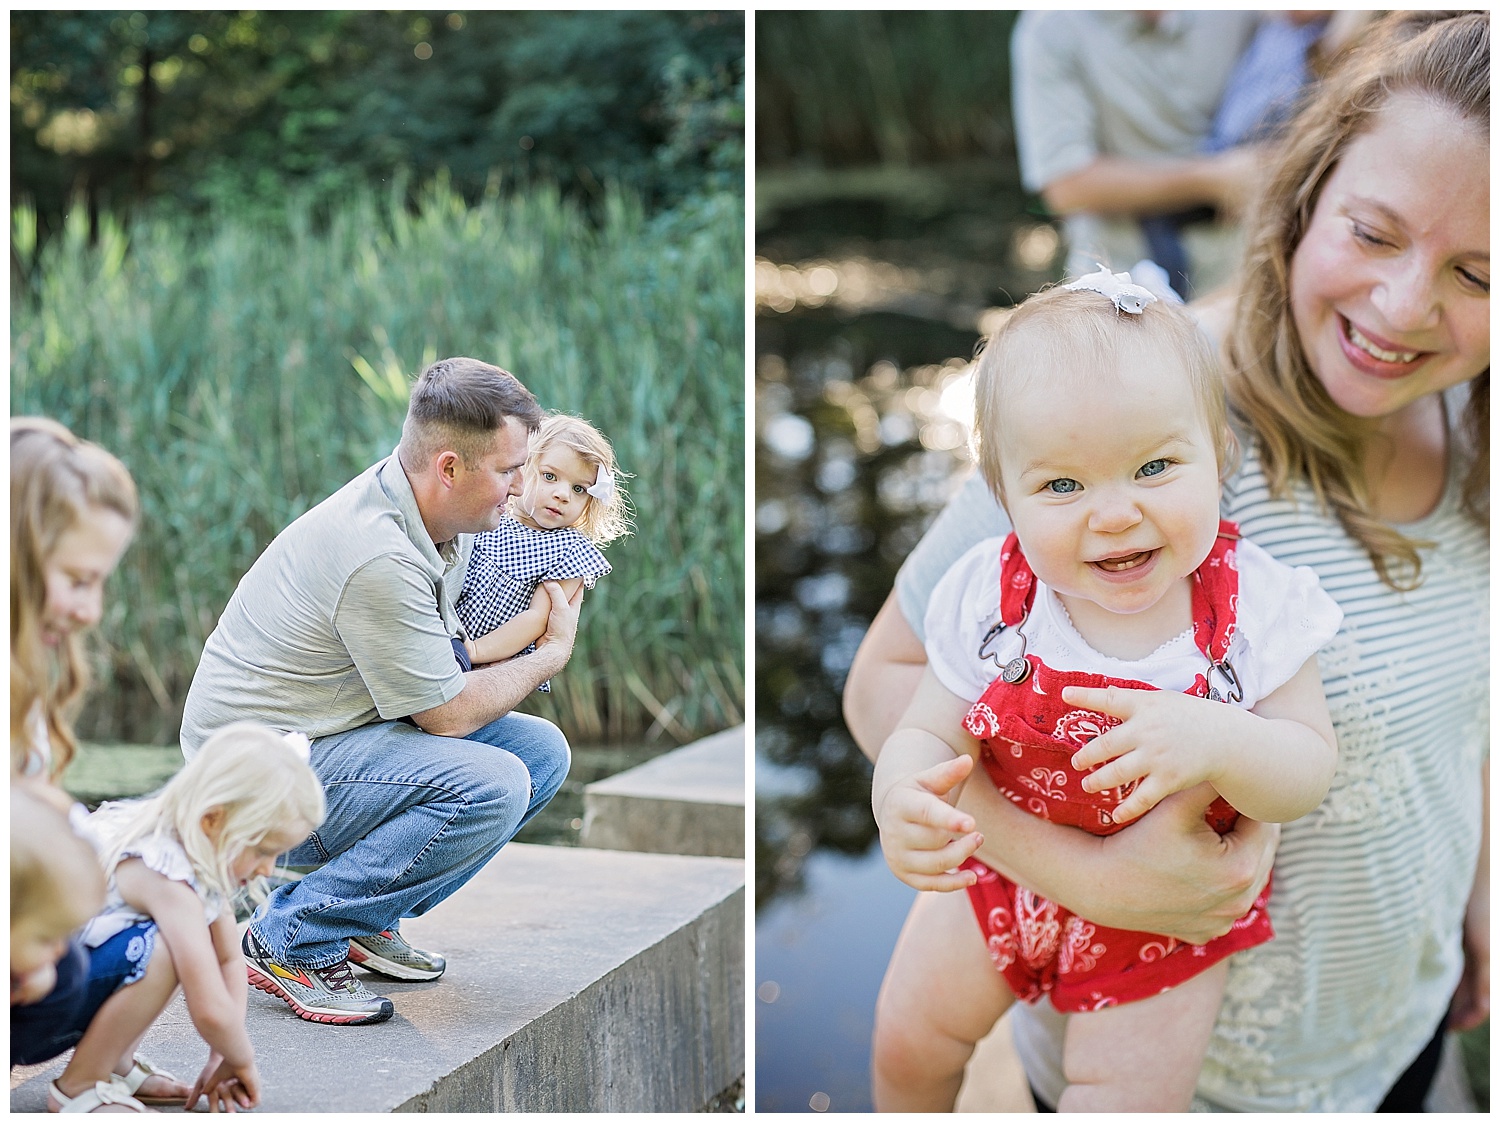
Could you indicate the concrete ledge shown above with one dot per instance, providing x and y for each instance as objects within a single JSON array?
[
  {"x": 688, "y": 801},
  {"x": 578, "y": 980}
]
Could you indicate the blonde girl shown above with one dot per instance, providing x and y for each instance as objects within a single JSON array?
[
  {"x": 73, "y": 510},
  {"x": 173, "y": 862},
  {"x": 572, "y": 506}
]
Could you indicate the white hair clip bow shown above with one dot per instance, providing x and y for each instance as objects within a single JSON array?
[
  {"x": 299, "y": 744},
  {"x": 603, "y": 488},
  {"x": 1128, "y": 296}
]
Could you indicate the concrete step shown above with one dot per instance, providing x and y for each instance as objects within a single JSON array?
[
  {"x": 578, "y": 980},
  {"x": 688, "y": 801}
]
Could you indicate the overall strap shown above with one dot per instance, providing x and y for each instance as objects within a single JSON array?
[
  {"x": 1017, "y": 582},
  {"x": 1216, "y": 590},
  {"x": 1216, "y": 594}
]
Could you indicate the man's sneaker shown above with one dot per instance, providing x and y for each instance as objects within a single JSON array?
[
  {"x": 330, "y": 995},
  {"x": 389, "y": 955}
]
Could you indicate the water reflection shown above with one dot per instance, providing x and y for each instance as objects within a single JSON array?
[
  {"x": 857, "y": 444},
  {"x": 867, "y": 313},
  {"x": 861, "y": 429}
]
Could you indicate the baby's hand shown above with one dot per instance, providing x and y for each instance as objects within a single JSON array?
[
  {"x": 923, "y": 837},
  {"x": 1163, "y": 744}
]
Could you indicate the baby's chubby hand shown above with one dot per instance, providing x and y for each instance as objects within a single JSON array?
[
  {"x": 1162, "y": 744},
  {"x": 923, "y": 836}
]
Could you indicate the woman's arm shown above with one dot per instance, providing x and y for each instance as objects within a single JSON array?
[
  {"x": 882, "y": 679},
  {"x": 178, "y": 913},
  {"x": 1169, "y": 873}
]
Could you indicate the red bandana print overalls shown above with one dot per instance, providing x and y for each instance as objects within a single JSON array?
[{"x": 1028, "y": 737}]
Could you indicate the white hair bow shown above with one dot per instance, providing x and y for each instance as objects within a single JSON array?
[
  {"x": 603, "y": 488},
  {"x": 299, "y": 744},
  {"x": 1128, "y": 296}
]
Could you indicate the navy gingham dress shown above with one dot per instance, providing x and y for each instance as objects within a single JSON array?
[{"x": 510, "y": 561}]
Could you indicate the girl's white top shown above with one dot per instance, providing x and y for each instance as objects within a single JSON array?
[
  {"x": 1283, "y": 617},
  {"x": 162, "y": 853}
]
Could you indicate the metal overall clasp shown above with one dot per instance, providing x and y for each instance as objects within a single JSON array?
[
  {"x": 1018, "y": 668},
  {"x": 1226, "y": 670}
]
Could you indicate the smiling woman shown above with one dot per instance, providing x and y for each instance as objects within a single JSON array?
[
  {"x": 1357, "y": 362},
  {"x": 1391, "y": 281}
]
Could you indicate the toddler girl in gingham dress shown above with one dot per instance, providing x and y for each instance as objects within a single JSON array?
[{"x": 572, "y": 506}]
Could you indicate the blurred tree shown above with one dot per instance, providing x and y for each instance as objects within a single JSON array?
[
  {"x": 841, "y": 88},
  {"x": 238, "y": 107}
]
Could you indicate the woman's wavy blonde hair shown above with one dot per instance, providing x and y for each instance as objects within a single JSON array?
[
  {"x": 1299, "y": 431},
  {"x": 602, "y": 521},
  {"x": 260, "y": 780},
  {"x": 56, "y": 480}
]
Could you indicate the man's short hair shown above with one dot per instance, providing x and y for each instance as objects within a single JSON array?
[{"x": 460, "y": 404}]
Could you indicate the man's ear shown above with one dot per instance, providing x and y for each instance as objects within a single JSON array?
[{"x": 448, "y": 464}]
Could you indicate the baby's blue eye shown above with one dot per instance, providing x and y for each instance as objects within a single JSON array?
[
  {"x": 1153, "y": 468},
  {"x": 1062, "y": 487},
  {"x": 577, "y": 489}
]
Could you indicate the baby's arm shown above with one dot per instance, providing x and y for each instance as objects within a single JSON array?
[
  {"x": 1273, "y": 762},
  {"x": 217, "y": 1014},
  {"x": 520, "y": 631},
  {"x": 918, "y": 775}
]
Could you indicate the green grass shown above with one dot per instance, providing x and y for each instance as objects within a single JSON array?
[{"x": 245, "y": 370}]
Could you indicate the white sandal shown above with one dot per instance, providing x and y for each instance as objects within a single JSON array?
[
  {"x": 141, "y": 1071},
  {"x": 103, "y": 1092}
]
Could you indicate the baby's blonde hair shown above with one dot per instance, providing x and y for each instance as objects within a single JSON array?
[
  {"x": 254, "y": 774},
  {"x": 1060, "y": 333},
  {"x": 602, "y": 521}
]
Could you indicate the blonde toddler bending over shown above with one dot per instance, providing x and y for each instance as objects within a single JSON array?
[{"x": 173, "y": 862}]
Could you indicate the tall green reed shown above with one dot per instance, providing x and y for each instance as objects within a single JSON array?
[{"x": 245, "y": 370}]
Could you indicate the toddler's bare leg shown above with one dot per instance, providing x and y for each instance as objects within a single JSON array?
[
  {"x": 1142, "y": 1056},
  {"x": 120, "y": 1022},
  {"x": 940, "y": 996}
]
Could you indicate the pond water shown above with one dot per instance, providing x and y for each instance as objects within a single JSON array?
[{"x": 867, "y": 319}]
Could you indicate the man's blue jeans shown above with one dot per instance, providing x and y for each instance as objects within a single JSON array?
[{"x": 411, "y": 817}]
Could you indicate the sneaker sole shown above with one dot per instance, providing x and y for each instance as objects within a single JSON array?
[
  {"x": 367, "y": 959},
  {"x": 307, "y": 1013}
]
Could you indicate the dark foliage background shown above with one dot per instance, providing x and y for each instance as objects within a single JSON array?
[{"x": 205, "y": 107}]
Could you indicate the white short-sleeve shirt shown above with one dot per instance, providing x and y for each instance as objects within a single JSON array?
[{"x": 1283, "y": 617}]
